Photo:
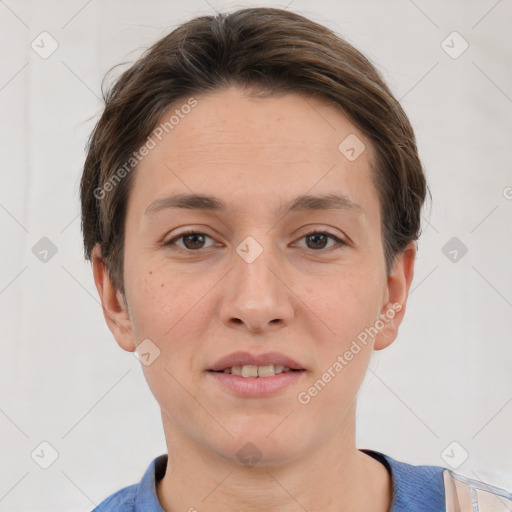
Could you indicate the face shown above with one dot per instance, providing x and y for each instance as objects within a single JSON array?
[{"x": 260, "y": 276}]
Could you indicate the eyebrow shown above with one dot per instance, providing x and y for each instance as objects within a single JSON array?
[{"x": 302, "y": 203}]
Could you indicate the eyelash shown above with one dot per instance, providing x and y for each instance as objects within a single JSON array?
[{"x": 172, "y": 242}]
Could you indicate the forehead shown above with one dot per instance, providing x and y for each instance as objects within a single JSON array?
[{"x": 247, "y": 150}]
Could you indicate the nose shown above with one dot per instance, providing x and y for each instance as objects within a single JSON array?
[{"x": 256, "y": 296}]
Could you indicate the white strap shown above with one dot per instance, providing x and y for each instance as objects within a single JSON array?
[{"x": 467, "y": 495}]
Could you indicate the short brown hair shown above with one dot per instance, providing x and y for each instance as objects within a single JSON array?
[{"x": 266, "y": 51}]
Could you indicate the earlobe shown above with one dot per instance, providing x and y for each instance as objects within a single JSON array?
[
  {"x": 113, "y": 303},
  {"x": 398, "y": 284}
]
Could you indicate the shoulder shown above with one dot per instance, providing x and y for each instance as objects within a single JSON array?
[
  {"x": 416, "y": 488},
  {"x": 422, "y": 488},
  {"x": 138, "y": 497},
  {"x": 122, "y": 500},
  {"x": 467, "y": 492}
]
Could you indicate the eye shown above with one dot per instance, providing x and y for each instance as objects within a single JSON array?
[
  {"x": 192, "y": 240},
  {"x": 319, "y": 238}
]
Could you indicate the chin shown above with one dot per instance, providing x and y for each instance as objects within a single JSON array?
[{"x": 262, "y": 443}]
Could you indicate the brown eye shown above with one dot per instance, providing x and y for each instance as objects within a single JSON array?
[
  {"x": 319, "y": 239},
  {"x": 192, "y": 241}
]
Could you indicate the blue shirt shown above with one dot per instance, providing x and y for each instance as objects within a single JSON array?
[{"x": 415, "y": 488}]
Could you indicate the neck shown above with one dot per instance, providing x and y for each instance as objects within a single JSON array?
[{"x": 333, "y": 476}]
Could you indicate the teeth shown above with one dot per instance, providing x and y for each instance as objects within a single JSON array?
[
  {"x": 236, "y": 370},
  {"x": 266, "y": 371},
  {"x": 251, "y": 370}
]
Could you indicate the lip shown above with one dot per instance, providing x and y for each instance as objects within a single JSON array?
[
  {"x": 246, "y": 358},
  {"x": 256, "y": 387}
]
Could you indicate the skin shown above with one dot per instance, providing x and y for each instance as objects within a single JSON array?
[{"x": 306, "y": 302}]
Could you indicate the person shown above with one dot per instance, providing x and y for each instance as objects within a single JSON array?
[{"x": 251, "y": 202}]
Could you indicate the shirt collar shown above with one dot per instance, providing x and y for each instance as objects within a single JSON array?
[
  {"x": 146, "y": 497},
  {"x": 418, "y": 488}
]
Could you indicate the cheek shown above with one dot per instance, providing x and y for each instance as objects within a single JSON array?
[
  {"x": 171, "y": 314},
  {"x": 348, "y": 309},
  {"x": 161, "y": 308},
  {"x": 173, "y": 309},
  {"x": 156, "y": 302},
  {"x": 346, "y": 306}
]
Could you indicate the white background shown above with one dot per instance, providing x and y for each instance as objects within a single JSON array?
[{"x": 63, "y": 378}]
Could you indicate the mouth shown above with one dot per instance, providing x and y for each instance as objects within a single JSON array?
[
  {"x": 263, "y": 371},
  {"x": 265, "y": 364},
  {"x": 256, "y": 375}
]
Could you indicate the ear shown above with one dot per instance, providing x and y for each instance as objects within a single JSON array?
[
  {"x": 397, "y": 290},
  {"x": 115, "y": 310}
]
